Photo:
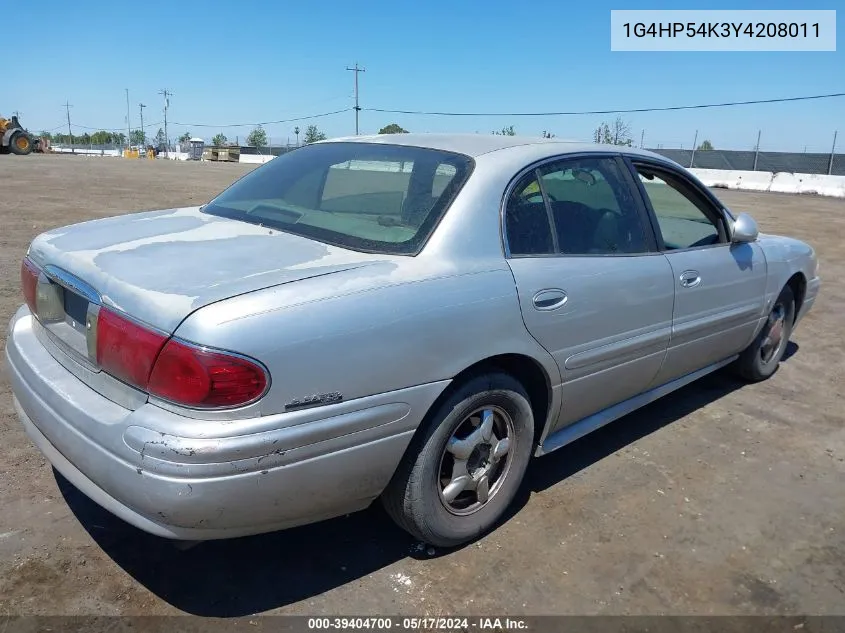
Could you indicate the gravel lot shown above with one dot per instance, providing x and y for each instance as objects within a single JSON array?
[{"x": 720, "y": 499}]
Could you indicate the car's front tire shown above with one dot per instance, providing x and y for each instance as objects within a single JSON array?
[
  {"x": 760, "y": 359},
  {"x": 465, "y": 465}
]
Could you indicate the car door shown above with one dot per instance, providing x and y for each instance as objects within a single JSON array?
[
  {"x": 593, "y": 289},
  {"x": 719, "y": 286}
]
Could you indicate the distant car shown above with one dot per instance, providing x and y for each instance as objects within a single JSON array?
[{"x": 410, "y": 317}]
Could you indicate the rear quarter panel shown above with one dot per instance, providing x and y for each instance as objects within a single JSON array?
[{"x": 374, "y": 330}]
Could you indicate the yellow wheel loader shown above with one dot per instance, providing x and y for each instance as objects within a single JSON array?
[{"x": 15, "y": 139}]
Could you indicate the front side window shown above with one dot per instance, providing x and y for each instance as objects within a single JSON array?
[
  {"x": 363, "y": 196},
  {"x": 680, "y": 212}
]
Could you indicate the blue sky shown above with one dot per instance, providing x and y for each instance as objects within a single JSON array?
[{"x": 270, "y": 60}]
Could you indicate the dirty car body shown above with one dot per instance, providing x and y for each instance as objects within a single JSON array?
[{"x": 271, "y": 359}]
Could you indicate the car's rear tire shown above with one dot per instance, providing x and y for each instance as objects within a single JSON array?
[
  {"x": 465, "y": 465},
  {"x": 760, "y": 359}
]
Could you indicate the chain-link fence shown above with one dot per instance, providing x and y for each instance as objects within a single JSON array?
[
  {"x": 736, "y": 160},
  {"x": 792, "y": 162},
  {"x": 267, "y": 150}
]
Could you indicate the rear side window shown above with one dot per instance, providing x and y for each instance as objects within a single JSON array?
[
  {"x": 578, "y": 206},
  {"x": 593, "y": 208},
  {"x": 527, "y": 220},
  {"x": 364, "y": 196}
]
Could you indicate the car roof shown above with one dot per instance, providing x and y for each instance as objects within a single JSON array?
[{"x": 478, "y": 144}]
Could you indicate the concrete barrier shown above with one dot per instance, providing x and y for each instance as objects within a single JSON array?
[
  {"x": 255, "y": 159},
  {"x": 85, "y": 152},
  {"x": 174, "y": 155},
  {"x": 781, "y": 182},
  {"x": 810, "y": 184}
]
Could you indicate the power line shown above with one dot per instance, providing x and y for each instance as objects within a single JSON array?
[
  {"x": 301, "y": 118},
  {"x": 53, "y": 129},
  {"x": 113, "y": 129},
  {"x": 357, "y": 108},
  {"x": 619, "y": 111}
]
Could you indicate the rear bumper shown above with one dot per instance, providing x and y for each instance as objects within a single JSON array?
[{"x": 225, "y": 479}]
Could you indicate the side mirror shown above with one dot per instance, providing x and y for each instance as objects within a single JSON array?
[{"x": 744, "y": 229}]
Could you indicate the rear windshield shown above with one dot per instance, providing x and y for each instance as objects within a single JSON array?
[{"x": 363, "y": 196}]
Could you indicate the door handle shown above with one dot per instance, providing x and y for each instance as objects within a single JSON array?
[
  {"x": 690, "y": 278},
  {"x": 549, "y": 299}
]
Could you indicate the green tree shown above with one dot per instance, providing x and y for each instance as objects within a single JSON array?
[
  {"x": 219, "y": 139},
  {"x": 159, "y": 138},
  {"x": 313, "y": 134},
  {"x": 393, "y": 128},
  {"x": 46, "y": 134},
  {"x": 137, "y": 138},
  {"x": 102, "y": 137},
  {"x": 705, "y": 146},
  {"x": 257, "y": 138},
  {"x": 616, "y": 133},
  {"x": 185, "y": 137},
  {"x": 506, "y": 131}
]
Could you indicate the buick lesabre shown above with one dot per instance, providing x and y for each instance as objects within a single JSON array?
[{"x": 403, "y": 317}]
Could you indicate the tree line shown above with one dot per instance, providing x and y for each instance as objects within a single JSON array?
[
  {"x": 104, "y": 137},
  {"x": 101, "y": 137},
  {"x": 616, "y": 132}
]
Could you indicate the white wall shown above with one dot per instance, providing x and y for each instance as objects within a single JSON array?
[
  {"x": 175, "y": 155},
  {"x": 255, "y": 159},
  {"x": 781, "y": 182},
  {"x": 86, "y": 152}
]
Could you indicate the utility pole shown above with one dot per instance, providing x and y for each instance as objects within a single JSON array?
[
  {"x": 128, "y": 124},
  {"x": 69, "y": 133},
  {"x": 167, "y": 94},
  {"x": 832, "y": 154},
  {"x": 757, "y": 150},
  {"x": 141, "y": 107},
  {"x": 642, "y": 138},
  {"x": 357, "y": 108}
]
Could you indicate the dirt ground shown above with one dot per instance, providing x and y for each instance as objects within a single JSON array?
[{"x": 719, "y": 499}]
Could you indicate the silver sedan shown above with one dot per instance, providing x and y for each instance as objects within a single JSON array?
[{"x": 404, "y": 317}]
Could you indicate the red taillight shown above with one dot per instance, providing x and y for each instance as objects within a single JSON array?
[
  {"x": 173, "y": 370},
  {"x": 202, "y": 378},
  {"x": 125, "y": 349},
  {"x": 29, "y": 281}
]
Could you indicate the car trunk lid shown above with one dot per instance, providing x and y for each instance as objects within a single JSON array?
[{"x": 158, "y": 267}]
